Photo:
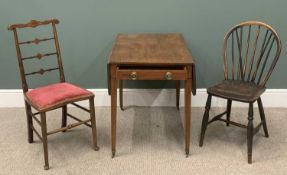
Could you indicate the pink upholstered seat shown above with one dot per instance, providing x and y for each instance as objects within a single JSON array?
[{"x": 47, "y": 96}]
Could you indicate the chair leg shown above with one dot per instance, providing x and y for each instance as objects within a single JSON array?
[
  {"x": 250, "y": 133},
  {"x": 29, "y": 122},
  {"x": 44, "y": 139},
  {"x": 229, "y": 103},
  {"x": 262, "y": 116},
  {"x": 177, "y": 86},
  {"x": 121, "y": 85},
  {"x": 93, "y": 123},
  {"x": 64, "y": 116},
  {"x": 205, "y": 120}
]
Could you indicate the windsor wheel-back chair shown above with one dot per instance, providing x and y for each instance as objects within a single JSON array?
[
  {"x": 250, "y": 52},
  {"x": 53, "y": 96}
]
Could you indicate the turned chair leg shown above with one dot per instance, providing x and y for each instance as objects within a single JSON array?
[
  {"x": 44, "y": 139},
  {"x": 229, "y": 102},
  {"x": 64, "y": 117},
  {"x": 262, "y": 116},
  {"x": 177, "y": 87},
  {"x": 250, "y": 133},
  {"x": 205, "y": 120},
  {"x": 121, "y": 85},
  {"x": 29, "y": 122},
  {"x": 93, "y": 123}
]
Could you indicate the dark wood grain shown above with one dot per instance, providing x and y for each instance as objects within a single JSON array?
[
  {"x": 250, "y": 129},
  {"x": 250, "y": 52},
  {"x": 262, "y": 117}
]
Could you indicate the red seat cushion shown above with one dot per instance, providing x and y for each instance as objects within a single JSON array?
[{"x": 46, "y": 96}]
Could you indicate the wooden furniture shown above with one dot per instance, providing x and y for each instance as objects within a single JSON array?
[
  {"x": 50, "y": 97},
  {"x": 250, "y": 52},
  {"x": 150, "y": 57}
]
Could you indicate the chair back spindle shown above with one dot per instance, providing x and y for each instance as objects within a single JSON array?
[{"x": 250, "y": 52}]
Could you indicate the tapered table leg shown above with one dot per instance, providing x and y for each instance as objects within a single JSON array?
[
  {"x": 187, "y": 106},
  {"x": 177, "y": 87},
  {"x": 121, "y": 94},
  {"x": 113, "y": 114}
]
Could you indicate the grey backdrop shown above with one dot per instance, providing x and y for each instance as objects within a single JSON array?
[{"x": 87, "y": 30}]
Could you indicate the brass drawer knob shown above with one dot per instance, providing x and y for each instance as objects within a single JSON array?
[
  {"x": 133, "y": 76},
  {"x": 168, "y": 76}
]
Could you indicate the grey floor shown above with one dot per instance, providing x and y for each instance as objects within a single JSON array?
[{"x": 149, "y": 141}]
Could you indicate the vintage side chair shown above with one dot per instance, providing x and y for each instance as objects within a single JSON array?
[
  {"x": 53, "y": 96},
  {"x": 250, "y": 52}
]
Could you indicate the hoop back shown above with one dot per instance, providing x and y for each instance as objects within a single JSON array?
[{"x": 250, "y": 52}]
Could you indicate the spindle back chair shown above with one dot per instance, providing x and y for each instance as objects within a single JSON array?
[
  {"x": 53, "y": 96},
  {"x": 250, "y": 52},
  {"x": 250, "y": 63}
]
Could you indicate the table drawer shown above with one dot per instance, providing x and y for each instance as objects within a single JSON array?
[{"x": 152, "y": 74}]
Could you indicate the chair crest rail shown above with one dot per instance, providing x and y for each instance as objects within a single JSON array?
[{"x": 33, "y": 24}]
